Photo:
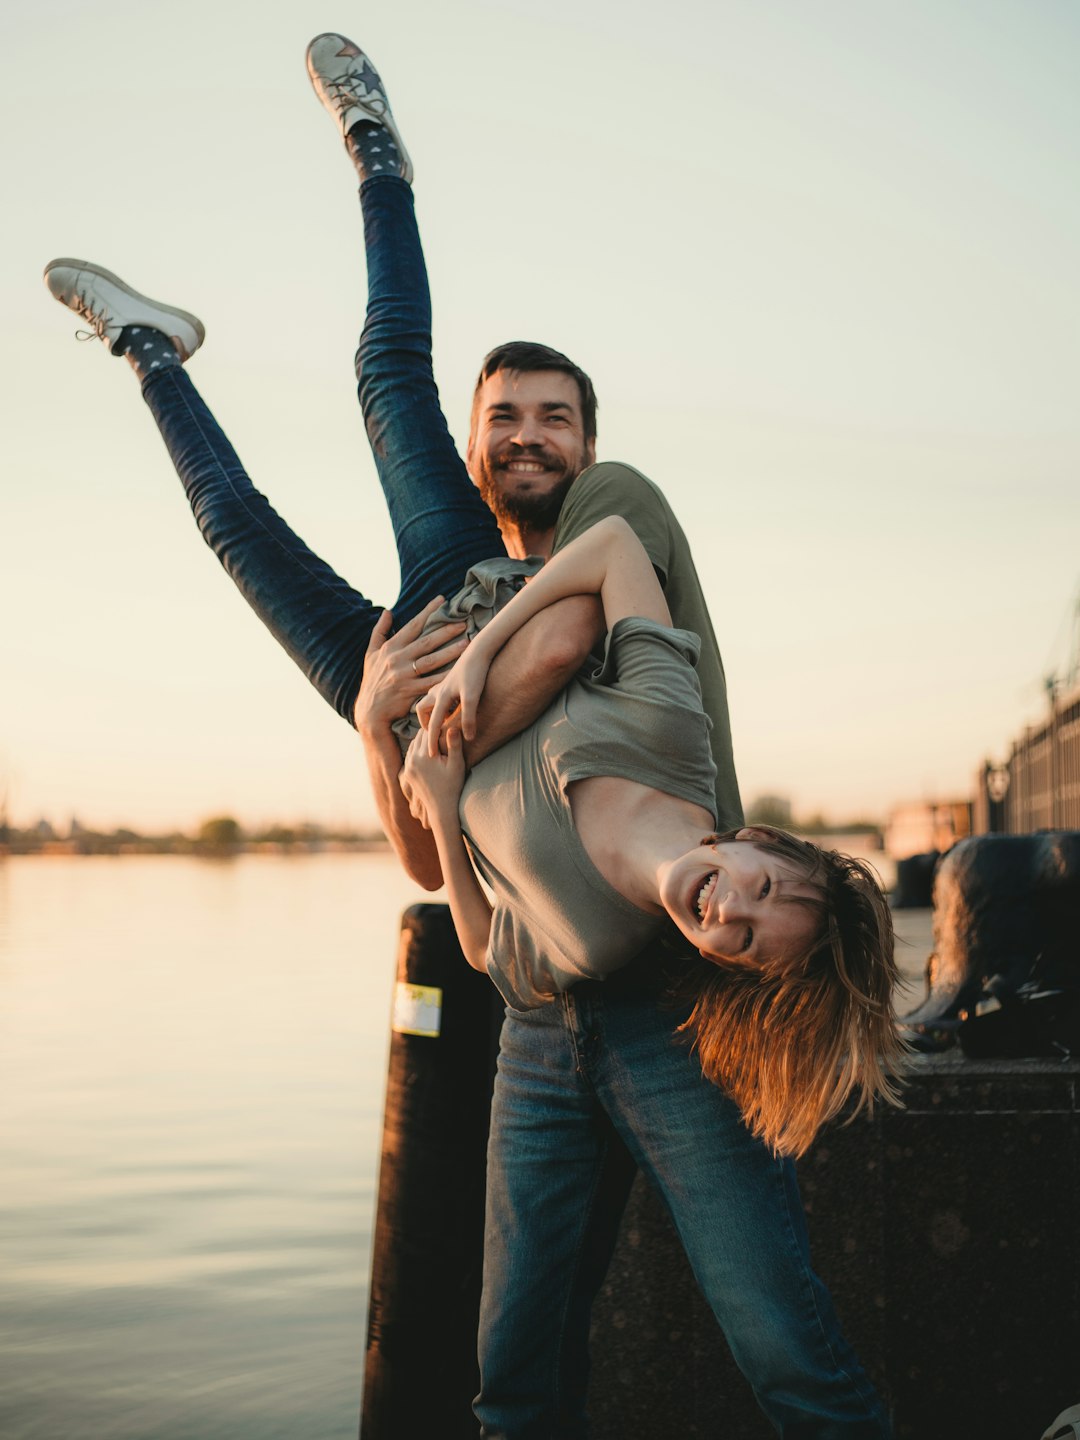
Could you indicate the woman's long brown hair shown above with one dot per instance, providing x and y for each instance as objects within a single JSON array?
[{"x": 793, "y": 1041}]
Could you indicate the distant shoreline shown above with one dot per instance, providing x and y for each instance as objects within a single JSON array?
[{"x": 89, "y": 849}]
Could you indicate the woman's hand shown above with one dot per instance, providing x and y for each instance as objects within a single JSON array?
[
  {"x": 456, "y": 695},
  {"x": 432, "y": 783},
  {"x": 399, "y": 668}
]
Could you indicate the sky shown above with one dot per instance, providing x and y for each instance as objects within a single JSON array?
[{"x": 818, "y": 256}]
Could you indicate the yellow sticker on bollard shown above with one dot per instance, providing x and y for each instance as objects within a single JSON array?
[{"x": 417, "y": 1009}]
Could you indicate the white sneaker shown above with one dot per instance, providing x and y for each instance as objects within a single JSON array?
[
  {"x": 108, "y": 305},
  {"x": 349, "y": 86},
  {"x": 1066, "y": 1426}
]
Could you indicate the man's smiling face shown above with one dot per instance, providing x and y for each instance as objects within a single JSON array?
[{"x": 527, "y": 445}]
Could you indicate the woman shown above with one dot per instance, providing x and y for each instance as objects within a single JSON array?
[{"x": 588, "y": 827}]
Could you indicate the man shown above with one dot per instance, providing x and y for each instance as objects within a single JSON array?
[{"x": 599, "y": 1075}]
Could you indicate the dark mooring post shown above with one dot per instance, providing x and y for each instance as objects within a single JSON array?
[{"x": 420, "y": 1373}]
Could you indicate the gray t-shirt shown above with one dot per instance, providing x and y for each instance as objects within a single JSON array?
[{"x": 637, "y": 716}]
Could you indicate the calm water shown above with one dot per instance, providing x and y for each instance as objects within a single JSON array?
[{"x": 192, "y": 1059}]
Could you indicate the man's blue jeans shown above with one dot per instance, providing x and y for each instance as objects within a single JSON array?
[
  {"x": 441, "y": 525},
  {"x": 578, "y": 1080},
  {"x": 598, "y": 1077}
]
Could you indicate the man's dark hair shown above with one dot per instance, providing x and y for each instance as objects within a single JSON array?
[{"x": 526, "y": 356}]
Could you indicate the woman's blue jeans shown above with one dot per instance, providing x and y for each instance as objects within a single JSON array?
[
  {"x": 597, "y": 1081},
  {"x": 441, "y": 525}
]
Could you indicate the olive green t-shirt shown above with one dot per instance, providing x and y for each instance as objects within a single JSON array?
[{"x": 611, "y": 488}]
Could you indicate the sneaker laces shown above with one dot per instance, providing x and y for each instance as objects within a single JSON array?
[
  {"x": 98, "y": 323},
  {"x": 345, "y": 95}
]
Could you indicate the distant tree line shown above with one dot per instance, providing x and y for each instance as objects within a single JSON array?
[
  {"x": 217, "y": 836},
  {"x": 775, "y": 810}
]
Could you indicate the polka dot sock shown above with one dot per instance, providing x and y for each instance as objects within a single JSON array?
[
  {"x": 147, "y": 350},
  {"x": 373, "y": 150}
]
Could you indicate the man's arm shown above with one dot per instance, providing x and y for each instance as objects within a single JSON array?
[
  {"x": 533, "y": 667},
  {"x": 529, "y": 672},
  {"x": 608, "y": 560},
  {"x": 542, "y": 658},
  {"x": 398, "y": 669}
]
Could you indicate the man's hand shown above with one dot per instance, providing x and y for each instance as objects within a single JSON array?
[
  {"x": 525, "y": 677},
  {"x": 399, "y": 668},
  {"x": 431, "y": 784}
]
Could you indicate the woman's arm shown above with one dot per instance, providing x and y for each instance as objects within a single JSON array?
[
  {"x": 432, "y": 787},
  {"x": 607, "y": 560}
]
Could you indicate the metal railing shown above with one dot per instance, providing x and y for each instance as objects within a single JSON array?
[{"x": 1038, "y": 786}]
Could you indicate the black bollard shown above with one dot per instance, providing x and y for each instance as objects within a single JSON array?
[
  {"x": 420, "y": 1372},
  {"x": 914, "y": 889}
]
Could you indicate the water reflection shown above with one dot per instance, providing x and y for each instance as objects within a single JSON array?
[{"x": 191, "y": 1089}]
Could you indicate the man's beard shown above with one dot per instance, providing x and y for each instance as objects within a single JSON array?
[{"x": 527, "y": 510}]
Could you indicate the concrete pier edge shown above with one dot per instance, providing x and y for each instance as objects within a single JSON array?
[{"x": 947, "y": 1233}]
